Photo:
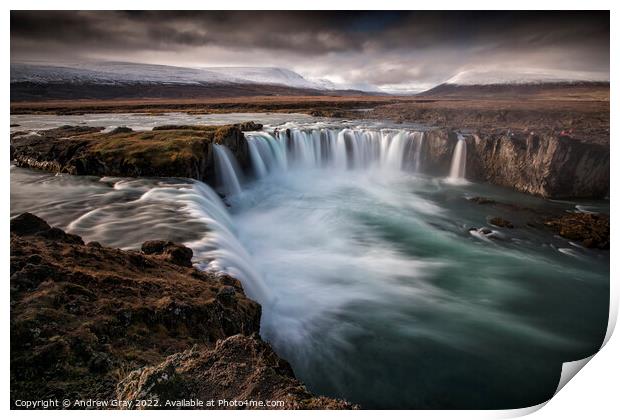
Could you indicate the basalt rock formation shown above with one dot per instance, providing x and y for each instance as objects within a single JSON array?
[
  {"x": 544, "y": 165},
  {"x": 91, "y": 322}
]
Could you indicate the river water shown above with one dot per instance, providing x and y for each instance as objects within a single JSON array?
[{"x": 373, "y": 287}]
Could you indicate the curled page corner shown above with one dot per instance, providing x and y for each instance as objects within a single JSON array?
[
  {"x": 613, "y": 315},
  {"x": 521, "y": 412},
  {"x": 570, "y": 369}
]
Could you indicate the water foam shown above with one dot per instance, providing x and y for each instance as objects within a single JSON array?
[{"x": 339, "y": 149}]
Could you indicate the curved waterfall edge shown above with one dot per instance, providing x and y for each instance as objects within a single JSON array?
[{"x": 386, "y": 150}]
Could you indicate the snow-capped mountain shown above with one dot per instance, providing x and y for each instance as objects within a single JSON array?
[
  {"x": 522, "y": 77},
  {"x": 112, "y": 73},
  {"x": 265, "y": 76},
  {"x": 109, "y": 73},
  {"x": 507, "y": 83},
  {"x": 327, "y": 84},
  {"x": 117, "y": 80}
]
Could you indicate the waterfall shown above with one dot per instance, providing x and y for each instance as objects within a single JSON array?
[
  {"x": 339, "y": 158},
  {"x": 395, "y": 151},
  {"x": 459, "y": 160},
  {"x": 417, "y": 157},
  {"x": 266, "y": 153},
  {"x": 258, "y": 161},
  {"x": 338, "y": 149},
  {"x": 219, "y": 250},
  {"x": 227, "y": 170}
]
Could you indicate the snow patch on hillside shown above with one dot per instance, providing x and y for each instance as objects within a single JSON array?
[
  {"x": 113, "y": 73},
  {"x": 110, "y": 73},
  {"x": 264, "y": 75},
  {"x": 523, "y": 76}
]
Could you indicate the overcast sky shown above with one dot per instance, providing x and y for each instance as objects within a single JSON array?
[{"x": 393, "y": 50}]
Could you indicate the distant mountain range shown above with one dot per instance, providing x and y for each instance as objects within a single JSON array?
[
  {"x": 115, "y": 73},
  {"x": 116, "y": 80},
  {"x": 533, "y": 90},
  {"x": 507, "y": 84}
]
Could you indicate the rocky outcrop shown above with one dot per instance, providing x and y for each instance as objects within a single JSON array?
[
  {"x": 173, "y": 151},
  {"x": 91, "y": 322},
  {"x": 501, "y": 222},
  {"x": 244, "y": 126},
  {"x": 169, "y": 251},
  {"x": 239, "y": 372},
  {"x": 544, "y": 165},
  {"x": 591, "y": 230}
]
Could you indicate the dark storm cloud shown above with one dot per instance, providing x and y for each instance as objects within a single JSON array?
[
  {"x": 390, "y": 47},
  {"x": 313, "y": 32}
]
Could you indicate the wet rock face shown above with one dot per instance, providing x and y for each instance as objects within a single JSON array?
[
  {"x": 437, "y": 150},
  {"x": 84, "y": 318},
  {"x": 233, "y": 138},
  {"x": 546, "y": 165}
]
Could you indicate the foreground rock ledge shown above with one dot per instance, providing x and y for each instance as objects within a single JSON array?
[
  {"x": 166, "y": 151},
  {"x": 91, "y": 322}
]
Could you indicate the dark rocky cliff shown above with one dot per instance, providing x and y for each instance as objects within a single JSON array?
[{"x": 545, "y": 165}]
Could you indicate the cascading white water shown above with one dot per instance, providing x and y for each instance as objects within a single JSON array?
[
  {"x": 459, "y": 160},
  {"x": 395, "y": 148},
  {"x": 333, "y": 148},
  {"x": 266, "y": 153},
  {"x": 339, "y": 156},
  {"x": 220, "y": 250},
  {"x": 227, "y": 170},
  {"x": 417, "y": 157},
  {"x": 260, "y": 168}
]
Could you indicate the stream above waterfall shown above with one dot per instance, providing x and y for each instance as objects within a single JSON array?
[{"x": 372, "y": 285}]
